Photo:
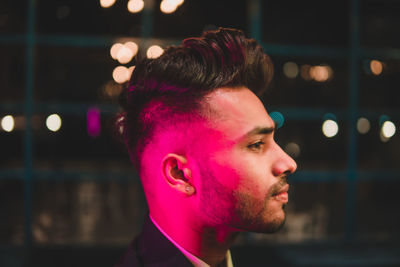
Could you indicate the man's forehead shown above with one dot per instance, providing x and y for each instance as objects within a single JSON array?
[{"x": 237, "y": 110}]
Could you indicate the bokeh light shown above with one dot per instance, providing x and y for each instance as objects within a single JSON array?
[
  {"x": 112, "y": 89},
  {"x": 388, "y": 129},
  {"x": 330, "y": 128},
  {"x": 305, "y": 72},
  {"x": 290, "y": 69},
  {"x": 168, "y": 7},
  {"x": 8, "y": 123},
  {"x": 135, "y": 6},
  {"x": 121, "y": 74},
  {"x": 53, "y": 122},
  {"x": 293, "y": 149},
  {"x": 132, "y": 46},
  {"x": 363, "y": 125},
  {"x": 124, "y": 55},
  {"x": 177, "y": 2},
  {"x": 278, "y": 118},
  {"x": 115, "y": 49},
  {"x": 376, "y": 67},
  {"x": 93, "y": 122},
  {"x": 107, "y": 3},
  {"x": 320, "y": 73},
  {"x": 124, "y": 52},
  {"x": 154, "y": 51}
]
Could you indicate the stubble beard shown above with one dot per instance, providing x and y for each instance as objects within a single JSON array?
[
  {"x": 263, "y": 220},
  {"x": 237, "y": 210}
]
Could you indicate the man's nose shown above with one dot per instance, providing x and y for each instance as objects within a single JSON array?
[{"x": 284, "y": 164}]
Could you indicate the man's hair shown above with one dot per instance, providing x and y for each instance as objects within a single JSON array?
[{"x": 172, "y": 87}]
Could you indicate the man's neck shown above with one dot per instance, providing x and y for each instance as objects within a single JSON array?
[
  {"x": 208, "y": 244},
  {"x": 215, "y": 244}
]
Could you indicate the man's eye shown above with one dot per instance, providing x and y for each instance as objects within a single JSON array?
[{"x": 256, "y": 146}]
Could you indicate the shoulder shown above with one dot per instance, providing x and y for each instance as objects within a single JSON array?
[
  {"x": 152, "y": 249},
  {"x": 130, "y": 258}
]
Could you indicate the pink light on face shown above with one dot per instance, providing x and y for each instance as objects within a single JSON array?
[{"x": 93, "y": 122}]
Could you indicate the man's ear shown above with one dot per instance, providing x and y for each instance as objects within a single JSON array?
[{"x": 177, "y": 174}]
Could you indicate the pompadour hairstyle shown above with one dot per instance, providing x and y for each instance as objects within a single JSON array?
[{"x": 174, "y": 85}]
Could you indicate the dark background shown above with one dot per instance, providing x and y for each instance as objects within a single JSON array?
[{"x": 69, "y": 199}]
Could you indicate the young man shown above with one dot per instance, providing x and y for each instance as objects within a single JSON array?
[{"x": 203, "y": 144}]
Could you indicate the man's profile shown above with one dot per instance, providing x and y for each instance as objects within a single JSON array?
[{"x": 203, "y": 145}]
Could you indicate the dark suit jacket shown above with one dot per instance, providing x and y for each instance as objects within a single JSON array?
[{"x": 152, "y": 249}]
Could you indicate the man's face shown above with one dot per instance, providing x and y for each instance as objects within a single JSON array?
[{"x": 242, "y": 170}]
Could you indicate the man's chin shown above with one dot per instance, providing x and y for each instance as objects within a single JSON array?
[
  {"x": 270, "y": 227},
  {"x": 276, "y": 227},
  {"x": 273, "y": 227}
]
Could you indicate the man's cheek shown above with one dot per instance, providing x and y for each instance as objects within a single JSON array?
[{"x": 227, "y": 176}]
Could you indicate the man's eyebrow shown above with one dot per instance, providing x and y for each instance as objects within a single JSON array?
[{"x": 260, "y": 130}]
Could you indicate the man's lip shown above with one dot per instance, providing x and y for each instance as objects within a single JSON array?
[
  {"x": 282, "y": 194},
  {"x": 284, "y": 189}
]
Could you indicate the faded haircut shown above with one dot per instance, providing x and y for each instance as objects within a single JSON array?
[{"x": 173, "y": 87}]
